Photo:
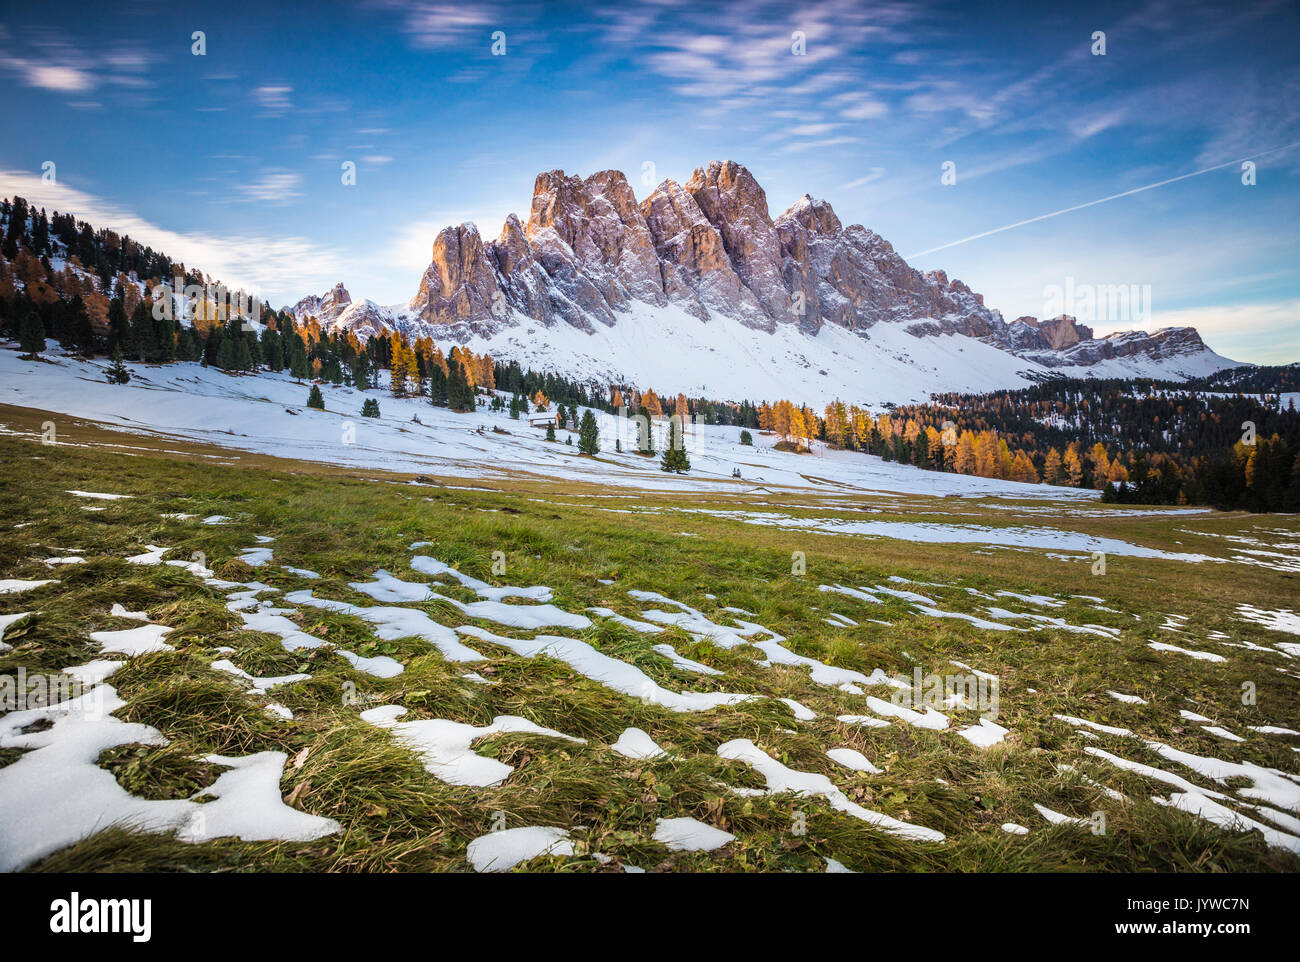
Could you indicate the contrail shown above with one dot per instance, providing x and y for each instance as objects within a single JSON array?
[{"x": 1093, "y": 203}]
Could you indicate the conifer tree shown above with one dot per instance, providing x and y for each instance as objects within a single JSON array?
[
  {"x": 1073, "y": 468},
  {"x": 361, "y": 371},
  {"x": 550, "y": 430},
  {"x": 117, "y": 372},
  {"x": 645, "y": 438},
  {"x": 272, "y": 349},
  {"x": 674, "y": 457},
  {"x": 370, "y": 409},
  {"x": 140, "y": 344},
  {"x": 460, "y": 396},
  {"x": 921, "y": 450},
  {"x": 298, "y": 366},
  {"x": 314, "y": 399},
  {"x": 31, "y": 333},
  {"x": 588, "y": 434},
  {"x": 164, "y": 339},
  {"x": 119, "y": 332},
  {"x": 1052, "y": 467},
  {"x": 437, "y": 385}
]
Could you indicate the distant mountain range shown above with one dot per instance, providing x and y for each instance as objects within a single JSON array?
[{"x": 698, "y": 289}]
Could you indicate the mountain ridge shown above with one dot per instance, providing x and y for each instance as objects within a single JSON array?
[{"x": 591, "y": 257}]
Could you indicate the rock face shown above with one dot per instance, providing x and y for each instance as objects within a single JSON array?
[
  {"x": 460, "y": 288},
  {"x": 591, "y": 256},
  {"x": 1086, "y": 351},
  {"x": 325, "y": 308},
  {"x": 736, "y": 206},
  {"x": 694, "y": 268},
  {"x": 589, "y": 253}
]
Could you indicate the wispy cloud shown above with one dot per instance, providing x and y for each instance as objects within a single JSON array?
[
  {"x": 63, "y": 68},
  {"x": 438, "y": 25},
  {"x": 874, "y": 175},
  {"x": 274, "y": 98},
  {"x": 50, "y": 76},
  {"x": 1104, "y": 200},
  {"x": 273, "y": 186},
  {"x": 274, "y": 267}
]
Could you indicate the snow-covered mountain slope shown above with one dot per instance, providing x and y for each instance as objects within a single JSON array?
[
  {"x": 725, "y": 358},
  {"x": 594, "y": 282}
]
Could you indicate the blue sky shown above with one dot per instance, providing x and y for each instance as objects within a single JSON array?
[{"x": 231, "y": 160}]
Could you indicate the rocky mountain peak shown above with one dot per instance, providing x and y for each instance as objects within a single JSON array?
[
  {"x": 326, "y": 307},
  {"x": 812, "y": 215},
  {"x": 590, "y": 256}
]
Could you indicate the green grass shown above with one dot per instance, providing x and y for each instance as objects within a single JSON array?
[{"x": 397, "y": 817}]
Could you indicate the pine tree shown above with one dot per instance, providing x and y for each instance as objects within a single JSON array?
[
  {"x": 747, "y": 438},
  {"x": 588, "y": 434},
  {"x": 141, "y": 344},
  {"x": 404, "y": 378},
  {"x": 314, "y": 399},
  {"x": 164, "y": 339},
  {"x": 645, "y": 437},
  {"x": 298, "y": 366},
  {"x": 272, "y": 349},
  {"x": 119, "y": 331},
  {"x": 460, "y": 396},
  {"x": 226, "y": 355},
  {"x": 921, "y": 450},
  {"x": 437, "y": 385},
  {"x": 674, "y": 457},
  {"x": 31, "y": 333},
  {"x": 370, "y": 409},
  {"x": 117, "y": 372},
  {"x": 550, "y": 430}
]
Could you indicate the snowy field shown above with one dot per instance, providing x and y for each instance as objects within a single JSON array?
[
  {"x": 267, "y": 414},
  {"x": 54, "y": 794}
]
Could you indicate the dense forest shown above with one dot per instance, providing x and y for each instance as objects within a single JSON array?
[{"x": 1143, "y": 441}]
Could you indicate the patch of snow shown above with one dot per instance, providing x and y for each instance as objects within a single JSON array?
[
  {"x": 502, "y": 851},
  {"x": 690, "y": 835}
]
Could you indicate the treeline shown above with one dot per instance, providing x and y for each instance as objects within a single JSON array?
[
  {"x": 103, "y": 252},
  {"x": 100, "y": 301},
  {"x": 1162, "y": 442},
  {"x": 1144, "y": 442},
  {"x": 1267, "y": 379}
]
